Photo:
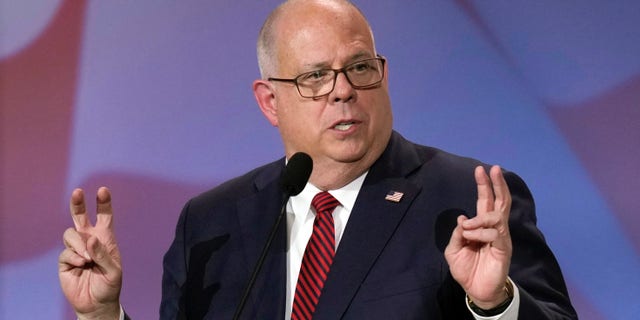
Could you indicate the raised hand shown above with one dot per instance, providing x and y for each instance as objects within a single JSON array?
[
  {"x": 479, "y": 251},
  {"x": 89, "y": 267}
]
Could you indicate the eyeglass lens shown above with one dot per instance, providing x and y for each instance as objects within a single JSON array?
[{"x": 361, "y": 74}]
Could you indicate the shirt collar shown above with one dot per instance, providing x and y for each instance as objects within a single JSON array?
[{"x": 346, "y": 196}]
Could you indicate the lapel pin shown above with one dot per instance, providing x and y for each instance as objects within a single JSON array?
[{"x": 394, "y": 196}]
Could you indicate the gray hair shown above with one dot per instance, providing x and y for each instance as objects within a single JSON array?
[{"x": 266, "y": 46}]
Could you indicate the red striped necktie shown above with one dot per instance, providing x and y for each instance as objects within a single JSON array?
[{"x": 317, "y": 258}]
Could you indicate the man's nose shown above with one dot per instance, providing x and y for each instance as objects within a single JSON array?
[{"x": 343, "y": 90}]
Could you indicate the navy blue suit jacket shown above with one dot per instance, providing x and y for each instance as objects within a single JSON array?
[{"x": 389, "y": 264}]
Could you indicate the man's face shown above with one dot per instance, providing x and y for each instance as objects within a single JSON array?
[{"x": 346, "y": 126}]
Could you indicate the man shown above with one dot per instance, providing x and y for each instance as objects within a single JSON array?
[{"x": 326, "y": 90}]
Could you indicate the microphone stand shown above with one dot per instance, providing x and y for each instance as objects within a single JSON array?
[{"x": 263, "y": 255}]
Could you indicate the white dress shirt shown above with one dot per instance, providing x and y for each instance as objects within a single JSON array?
[{"x": 300, "y": 216}]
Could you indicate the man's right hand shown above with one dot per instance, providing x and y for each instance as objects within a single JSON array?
[{"x": 89, "y": 268}]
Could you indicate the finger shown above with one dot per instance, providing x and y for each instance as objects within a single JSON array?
[
  {"x": 501, "y": 190},
  {"x": 74, "y": 241},
  {"x": 485, "y": 191},
  {"x": 101, "y": 257},
  {"x": 79, "y": 210},
  {"x": 104, "y": 209},
  {"x": 484, "y": 235},
  {"x": 484, "y": 221},
  {"x": 69, "y": 259}
]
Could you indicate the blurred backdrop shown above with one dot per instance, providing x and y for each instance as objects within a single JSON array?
[{"x": 153, "y": 99}]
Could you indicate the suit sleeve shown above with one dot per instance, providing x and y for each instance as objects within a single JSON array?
[
  {"x": 534, "y": 269},
  {"x": 174, "y": 273}
]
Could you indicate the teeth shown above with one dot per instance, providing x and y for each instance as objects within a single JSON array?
[{"x": 343, "y": 126}]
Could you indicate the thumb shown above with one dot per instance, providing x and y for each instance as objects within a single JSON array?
[{"x": 102, "y": 258}]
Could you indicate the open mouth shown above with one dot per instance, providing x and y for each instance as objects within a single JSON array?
[{"x": 343, "y": 126}]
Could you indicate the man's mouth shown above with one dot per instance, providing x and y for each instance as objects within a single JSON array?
[{"x": 343, "y": 126}]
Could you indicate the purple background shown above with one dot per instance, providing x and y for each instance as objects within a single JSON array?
[{"x": 153, "y": 99}]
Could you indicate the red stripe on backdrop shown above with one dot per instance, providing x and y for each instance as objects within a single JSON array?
[
  {"x": 37, "y": 88},
  {"x": 605, "y": 134}
]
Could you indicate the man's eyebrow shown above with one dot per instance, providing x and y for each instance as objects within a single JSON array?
[
  {"x": 310, "y": 67},
  {"x": 360, "y": 56},
  {"x": 316, "y": 66}
]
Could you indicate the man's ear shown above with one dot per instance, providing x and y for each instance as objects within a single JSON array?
[{"x": 265, "y": 96}]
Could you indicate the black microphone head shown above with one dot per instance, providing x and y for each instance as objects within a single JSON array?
[{"x": 296, "y": 174}]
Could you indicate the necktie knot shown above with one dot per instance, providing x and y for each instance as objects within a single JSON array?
[{"x": 324, "y": 202}]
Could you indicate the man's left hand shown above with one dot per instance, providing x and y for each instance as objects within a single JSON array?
[{"x": 479, "y": 251}]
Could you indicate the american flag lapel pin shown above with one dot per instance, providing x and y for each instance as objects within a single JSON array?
[{"x": 394, "y": 196}]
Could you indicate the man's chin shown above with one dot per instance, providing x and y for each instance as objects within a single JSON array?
[{"x": 350, "y": 155}]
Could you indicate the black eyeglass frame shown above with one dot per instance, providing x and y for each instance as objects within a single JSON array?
[{"x": 344, "y": 69}]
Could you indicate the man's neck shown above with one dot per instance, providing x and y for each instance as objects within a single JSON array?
[{"x": 332, "y": 176}]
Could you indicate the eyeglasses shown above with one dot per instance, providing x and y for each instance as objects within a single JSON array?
[{"x": 363, "y": 74}]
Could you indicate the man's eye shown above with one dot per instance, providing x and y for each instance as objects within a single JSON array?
[
  {"x": 317, "y": 75},
  {"x": 361, "y": 67}
]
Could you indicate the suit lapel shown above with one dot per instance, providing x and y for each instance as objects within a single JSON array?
[
  {"x": 371, "y": 225},
  {"x": 257, "y": 215}
]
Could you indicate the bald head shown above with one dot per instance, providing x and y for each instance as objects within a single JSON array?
[{"x": 288, "y": 16}]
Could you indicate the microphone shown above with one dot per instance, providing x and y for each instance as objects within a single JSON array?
[
  {"x": 296, "y": 174},
  {"x": 293, "y": 180}
]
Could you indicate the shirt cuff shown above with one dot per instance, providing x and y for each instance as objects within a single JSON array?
[
  {"x": 511, "y": 313},
  {"x": 121, "y": 313}
]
